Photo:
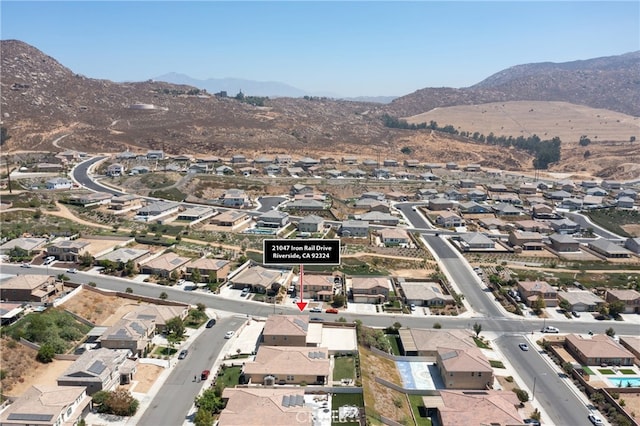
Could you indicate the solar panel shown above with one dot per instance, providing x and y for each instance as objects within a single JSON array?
[
  {"x": 303, "y": 325},
  {"x": 137, "y": 327},
  {"x": 30, "y": 417},
  {"x": 97, "y": 367},
  {"x": 285, "y": 400},
  {"x": 449, "y": 355},
  {"x": 299, "y": 400}
]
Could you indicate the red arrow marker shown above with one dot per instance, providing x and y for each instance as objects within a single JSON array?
[{"x": 301, "y": 304}]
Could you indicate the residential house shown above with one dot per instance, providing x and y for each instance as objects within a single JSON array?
[
  {"x": 476, "y": 241},
  {"x": 193, "y": 214},
  {"x": 453, "y": 194},
  {"x": 288, "y": 365},
  {"x": 157, "y": 210},
  {"x": 464, "y": 368},
  {"x": 288, "y": 330},
  {"x": 411, "y": 163},
  {"x": 388, "y": 162},
  {"x": 543, "y": 211},
  {"x": 283, "y": 159},
  {"x": 29, "y": 288},
  {"x": 58, "y": 183},
  {"x": 135, "y": 335},
  {"x": 558, "y": 195},
  {"x": 350, "y": 160},
  {"x": 273, "y": 219},
  {"x": 49, "y": 167},
  {"x": 597, "y": 191},
  {"x": 611, "y": 184},
  {"x": 632, "y": 244},
  {"x": 630, "y": 298},
  {"x": 231, "y": 218},
  {"x": 566, "y": 185},
  {"x": 425, "y": 342},
  {"x": 394, "y": 237},
  {"x": 476, "y": 195},
  {"x": 448, "y": 219},
  {"x": 296, "y": 171},
  {"x": 68, "y": 250},
  {"x": 30, "y": 245},
  {"x": 427, "y": 194},
  {"x": 333, "y": 173},
  {"x": 257, "y": 278},
  {"x": 370, "y": 163},
  {"x": 100, "y": 369},
  {"x": 430, "y": 177},
  {"x": 299, "y": 188},
  {"x": 530, "y": 291},
  {"x": 306, "y": 205},
  {"x": 354, "y": 228},
  {"x": 311, "y": 224},
  {"x": 211, "y": 270},
  {"x": 379, "y": 196},
  {"x": 497, "y": 187},
  {"x": 127, "y": 201},
  {"x": 164, "y": 265},
  {"x": 370, "y": 289},
  {"x": 526, "y": 240},
  {"x": 317, "y": 287},
  {"x": 472, "y": 168},
  {"x": 564, "y": 226},
  {"x": 239, "y": 159},
  {"x": 224, "y": 170},
  {"x": 124, "y": 255},
  {"x": 608, "y": 249},
  {"x": 307, "y": 162},
  {"x": 116, "y": 169},
  {"x": 272, "y": 169},
  {"x": 507, "y": 209},
  {"x": 90, "y": 199},
  {"x": 625, "y": 203},
  {"x": 571, "y": 203},
  {"x": 159, "y": 314},
  {"x": 591, "y": 201},
  {"x": 440, "y": 204},
  {"x": 397, "y": 196},
  {"x": 487, "y": 407},
  {"x": 564, "y": 243},
  {"x": 534, "y": 226},
  {"x": 425, "y": 294},
  {"x": 598, "y": 350},
  {"x": 46, "y": 405},
  {"x": 139, "y": 170},
  {"x": 507, "y": 198},
  {"x": 467, "y": 183},
  {"x": 627, "y": 193},
  {"x": 474, "y": 208},
  {"x": 581, "y": 300},
  {"x": 527, "y": 188},
  {"x": 492, "y": 223},
  {"x": 380, "y": 218},
  {"x": 155, "y": 155},
  {"x": 234, "y": 198},
  {"x": 451, "y": 166},
  {"x": 126, "y": 155},
  {"x": 251, "y": 406}
]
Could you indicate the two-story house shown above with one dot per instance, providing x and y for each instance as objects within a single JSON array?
[
  {"x": 530, "y": 291},
  {"x": 370, "y": 289}
]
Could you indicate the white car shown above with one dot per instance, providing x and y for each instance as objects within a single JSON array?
[
  {"x": 595, "y": 419},
  {"x": 550, "y": 329},
  {"x": 25, "y": 265},
  {"x": 229, "y": 334},
  {"x": 524, "y": 346},
  {"x": 316, "y": 309},
  {"x": 72, "y": 270}
]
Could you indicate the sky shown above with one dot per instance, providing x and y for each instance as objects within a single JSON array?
[{"x": 358, "y": 48}]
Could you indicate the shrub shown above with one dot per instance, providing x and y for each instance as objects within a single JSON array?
[
  {"x": 46, "y": 353},
  {"x": 437, "y": 325}
]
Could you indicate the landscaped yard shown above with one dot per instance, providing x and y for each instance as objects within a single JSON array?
[
  {"x": 626, "y": 371},
  {"x": 606, "y": 371},
  {"x": 341, "y": 399},
  {"x": 496, "y": 364},
  {"x": 480, "y": 343},
  {"x": 230, "y": 377},
  {"x": 164, "y": 351},
  {"x": 344, "y": 368},
  {"x": 417, "y": 405},
  {"x": 393, "y": 341}
]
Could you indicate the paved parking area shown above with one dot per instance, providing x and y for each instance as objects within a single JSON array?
[
  {"x": 361, "y": 308},
  {"x": 246, "y": 339}
]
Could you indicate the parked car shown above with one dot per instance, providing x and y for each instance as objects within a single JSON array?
[
  {"x": 211, "y": 323},
  {"x": 593, "y": 418},
  {"x": 25, "y": 265},
  {"x": 412, "y": 307},
  {"x": 205, "y": 374},
  {"x": 316, "y": 319},
  {"x": 575, "y": 314},
  {"x": 550, "y": 329},
  {"x": 181, "y": 281},
  {"x": 524, "y": 346},
  {"x": 72, "y": 270},
  {"x": 183, "y": 354},
  {"x": 48, "y": 260},
  {"x": 316, "y": 309},
  {"x": 245, "y": 291},
  {"x": 229, "y": 334},
  {"x": 332, "y": 311}
]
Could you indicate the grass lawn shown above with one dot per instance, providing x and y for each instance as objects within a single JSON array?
[
  {"x": 393, "y": 341},
  {"x": 416, "y": 403},
  {"x": 344, "y": 368},
  {"x": 606, "y": 371},
  {"x": 341, "y": 399},
  {"x": 230, "y": 377},
  {"x": 164, "y": 351},
  {"x": 588, "y": 370},
  {"x": 480, "y": 343},
  {"x": 496, "y": 364},
  {"x": 626, "y": 371}
]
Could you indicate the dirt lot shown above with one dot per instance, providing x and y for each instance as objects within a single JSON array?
[
  {"x": 633, "y": 229},
  {"x": 98, "y": 308}
]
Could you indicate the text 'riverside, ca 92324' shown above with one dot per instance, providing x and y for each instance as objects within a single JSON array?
[{"x": 301, "y": 252}]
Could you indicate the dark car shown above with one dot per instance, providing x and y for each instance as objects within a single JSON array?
[
  {"x": 211, "y": 323},
  {"x": 183, "y": 354}
]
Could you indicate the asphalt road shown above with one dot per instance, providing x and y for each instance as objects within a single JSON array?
[
  {"x": 268, "y": 203},
  {"x": 551, "y": 391},
  {"x": 416, "y": 220},
  {"x": 585, "y": 223},
  {"x": 176, "y": 396},
  {"x": 80, "y": 174},
  {"x": 466, "y": 280}
]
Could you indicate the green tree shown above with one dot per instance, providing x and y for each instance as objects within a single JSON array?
[
  {"x": 523, "y": 395},
  {"x": 121, "y": 403},
  {"x": 564, "y": 305},
  {"x": 201, "y": 307},
  {"x": 85, "y": 259},
  {"x": 46, "y": 353},
  {"x": 477, "y": 328},
  {"x": 437, "y": 325},
  {"x": 539, "y": 305},
  {"x": 616, "y": 308},
  {"x": 338, "y": 301},
  {"x": 175, "y": 326},
  {"x": 203, "y": 418},
  {"x": 196, "y": 276},
  {"x": 175, "y": 275},
  {"x": 610, "y": 332},
  {"x": 209, "y": 401},
  {"x": 164, "y": 295},
  {"x": 129, "y": 290}
]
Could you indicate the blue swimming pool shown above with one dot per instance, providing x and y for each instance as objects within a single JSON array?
[{"x": 625, "y": 382}]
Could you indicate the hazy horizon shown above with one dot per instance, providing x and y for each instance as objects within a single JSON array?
[{"x": 348, "y": 48}]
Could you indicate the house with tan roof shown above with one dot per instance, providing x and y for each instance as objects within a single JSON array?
[
  {"x": 159, "y": 314},
  {"x": 29, "y": 288},
  {"x": 526, "y": 240},
  {"x": 369, "y": 289},
  {"x": 291, "y": 330},
  {"x": 164, "y": 265},
  {"x": 631, "y": 299},
  {"x": 134, "y": 335},
  {"x": 290, "y": 365},
  {"x": 210, "y": 269},
  {"x": 631, "y": 343},
  {"x": 68, "y": 250},
  {"x": 425, "y": 294},
  {"x": 28, "y": 244},
  {"x": 231, "y": 218},
  {"x": 449, "y": 219},
  {"x": 598, "y": 349},
  {"x": 425, "y": 342},
  {"x": 530, "y": 291},
  {"x": 100, "y": 369},
  {"x": 608, "y": 249},
  {"x": 489, "y": 407},
  {"x": 392, "y": 237},
  {"x": 317, "y": 287},
  {"x": 252, "y": 406},
  {"x": 464, "y": 368},
  {"x": 257, "y": 278},
  {"x": 48, "y": 406},
  {"x": 581, "y": 300}
]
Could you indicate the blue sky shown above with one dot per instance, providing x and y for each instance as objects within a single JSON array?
[{"x": 347, "y": 48}]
